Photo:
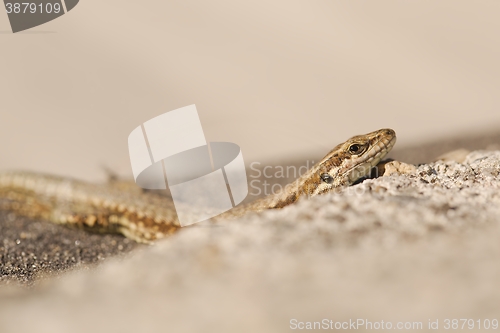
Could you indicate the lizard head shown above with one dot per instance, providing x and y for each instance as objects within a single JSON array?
[
  {"x": 348, "y": 162},
  {"x": 342, "y": 166}
]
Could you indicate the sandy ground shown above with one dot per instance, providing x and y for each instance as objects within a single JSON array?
[
  {"x": 410, "y": 250},
  {"x": 34, "y": 250}
]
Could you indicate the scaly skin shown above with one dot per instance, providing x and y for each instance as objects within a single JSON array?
[
  {"x": 342, "y": 166},
  {"x": 145, "y": 217}
]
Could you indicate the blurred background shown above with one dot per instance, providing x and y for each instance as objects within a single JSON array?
[{"x": 282, "y": 78}]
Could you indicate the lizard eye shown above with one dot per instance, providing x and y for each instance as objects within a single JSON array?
[
  {"x": 326, "y": 178},
  {"x": 355, "y": 149}
]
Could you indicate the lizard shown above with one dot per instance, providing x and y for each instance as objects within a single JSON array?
[{"x": 145, "y": 217}]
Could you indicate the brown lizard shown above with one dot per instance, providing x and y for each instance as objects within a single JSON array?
[{"x": 146, "y": 216}]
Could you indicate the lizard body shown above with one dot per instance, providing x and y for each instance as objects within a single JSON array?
[{"x": 145, "y": 217}]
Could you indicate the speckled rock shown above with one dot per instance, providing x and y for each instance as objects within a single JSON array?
[{"x": 402, "y": 248}]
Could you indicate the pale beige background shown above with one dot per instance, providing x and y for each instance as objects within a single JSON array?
[{"x": 280, "y": 78}]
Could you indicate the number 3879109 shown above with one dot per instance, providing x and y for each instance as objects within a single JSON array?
[{"x": 32, "y": 8}]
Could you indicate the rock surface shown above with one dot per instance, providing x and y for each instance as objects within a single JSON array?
[{"x": 401, "y": 248}]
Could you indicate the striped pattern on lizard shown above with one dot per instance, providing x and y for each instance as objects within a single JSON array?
[{"x": 144, "y": 216}]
